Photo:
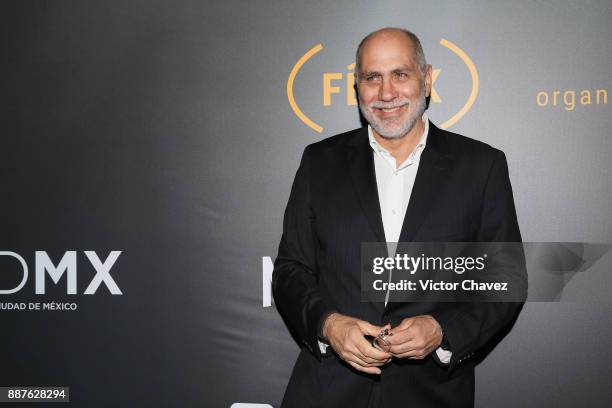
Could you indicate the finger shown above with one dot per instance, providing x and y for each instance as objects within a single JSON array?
[
  {"x": 364, "y": 349},
  {"x": 399, "y": 337},
  {"x": 412, "y": 344},
  {"x": 369, "y": 370},
  {"x": 416, "y": 354},
  {"x": 356, "y": 359},
  {"x": 369, "y": 353},
  {"x": 352, "y": 353},
  {"x": 363, "y": 360},
  {"x": 402, "y": 350},
  {"x": 404, "y": 347},
  {"x": 368, "y": 362},
  {"x": 374, "y": 363},
  {"x": 360, "y": 353},
  {"x": 370, "y": 329},
  {"x": 412, "y": 357}
]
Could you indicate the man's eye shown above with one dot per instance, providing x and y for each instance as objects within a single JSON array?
[
  {"x": 372, "y": 78},
  {"x": 401, "y": 75}
]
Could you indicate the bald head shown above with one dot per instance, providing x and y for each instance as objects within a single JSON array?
[{"x": 391, "y": 33}]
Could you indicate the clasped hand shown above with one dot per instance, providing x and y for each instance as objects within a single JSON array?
[
  {"x": 415, "y": 338},
  {"x": 346, "y": 335}
]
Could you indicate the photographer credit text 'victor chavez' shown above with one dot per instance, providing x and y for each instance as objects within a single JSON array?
[{"x": 439, "y": 271}]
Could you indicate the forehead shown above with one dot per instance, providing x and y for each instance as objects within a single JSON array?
[{"x": 387, "y": 51}]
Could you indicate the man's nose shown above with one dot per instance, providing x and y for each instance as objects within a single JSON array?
[{"x": 387, "y": 91}]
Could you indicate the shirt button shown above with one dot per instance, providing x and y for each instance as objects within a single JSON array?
[{"x": 393, "y": 212}]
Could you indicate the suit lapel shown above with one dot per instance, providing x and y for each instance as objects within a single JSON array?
[
  {"x": 434, "y": 168},
  {"x": 361, "y": 166}
]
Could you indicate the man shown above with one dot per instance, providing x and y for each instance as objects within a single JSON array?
[{"x": 399, "y": 179}]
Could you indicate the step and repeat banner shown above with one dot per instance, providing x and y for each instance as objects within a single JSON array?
[{"x": 147, "y": 154}]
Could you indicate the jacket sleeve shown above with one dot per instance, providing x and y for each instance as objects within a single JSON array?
[
  {"x": 469, "y": 326},
  {"x": 296, "y": 275}
]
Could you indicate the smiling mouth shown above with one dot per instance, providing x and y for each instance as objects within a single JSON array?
[{"x": 395, "y": 109}]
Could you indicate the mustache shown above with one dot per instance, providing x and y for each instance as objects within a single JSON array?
[{"x": 388, "y": 105}]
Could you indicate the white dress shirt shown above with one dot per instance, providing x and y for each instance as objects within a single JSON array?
[{"x": 395, "y": 185}]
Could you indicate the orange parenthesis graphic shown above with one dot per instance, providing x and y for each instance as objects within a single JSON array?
[
  {"x": 292, "y": 75},
  {"x": 475, "y": 83}
]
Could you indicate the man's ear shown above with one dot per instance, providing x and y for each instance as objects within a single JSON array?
[{"x": 428, "y": 71}]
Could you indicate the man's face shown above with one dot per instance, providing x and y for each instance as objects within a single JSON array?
[{"x": 392, "y": 89}]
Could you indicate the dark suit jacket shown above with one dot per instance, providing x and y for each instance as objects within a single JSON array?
[{"x": 462, "y": 192}]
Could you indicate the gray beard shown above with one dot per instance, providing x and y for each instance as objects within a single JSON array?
[{"x": 379, "y": 125}]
